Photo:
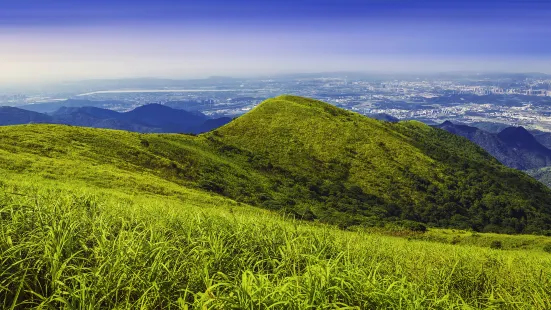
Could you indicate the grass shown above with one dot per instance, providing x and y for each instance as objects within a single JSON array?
[
  {"x": 301, "y": 157},
  {"x": 459, "y": 237},
  {"x": 103, "y": 219},
  {"x": 77, "y": 248}
]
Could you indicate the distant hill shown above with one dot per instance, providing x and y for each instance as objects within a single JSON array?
[
  {"x": 97, "y": 118},
  {"x": 88, "y": 110},
  {"x": 211, "y": 124},
  {"x": 543, "y": 137},
  {"x": 490, "y": 126},
  {"x": 148, "y": 118},
  {"x": 50, "y": 107},
  {"x": 384, "y": 117},
  {"x": 513, "y": 146},
  {"x": 166, "y": 118},
  {"x": 15, "y": 116},
  {"x": 542, "y": 174}
]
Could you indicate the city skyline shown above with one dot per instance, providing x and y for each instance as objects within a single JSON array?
[{"x": 64, "y": 40}]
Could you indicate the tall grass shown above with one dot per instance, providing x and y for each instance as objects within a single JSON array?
[{"x": 83, "y": 250}]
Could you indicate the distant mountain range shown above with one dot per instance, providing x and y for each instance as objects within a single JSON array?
[
  {"x": 50, "y": 107},
  {"x": 16, "y": 116},
  {"x": 148, "y": 118},
  {"x": 515, "y": 147}
]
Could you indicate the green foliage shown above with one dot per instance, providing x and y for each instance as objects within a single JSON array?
[
  {"x": 496, "y": 244},
  {"x": 354, "y": 169},
  {"x": 303, "y": 158},
  {"x": 414, "y": 226},
  {"x": 547, "y": 248},
  {"x": 64, "y": 246},
  {"x": 543, "y": 175},
  {"x": 103, "y": 219}
]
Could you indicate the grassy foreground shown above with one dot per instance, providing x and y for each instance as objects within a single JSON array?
[
  {"x": 103, "y": 219},
  {"x": 72, "y": 247}
]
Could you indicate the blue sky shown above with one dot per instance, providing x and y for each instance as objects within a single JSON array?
[{"x": 62, "y": 39}]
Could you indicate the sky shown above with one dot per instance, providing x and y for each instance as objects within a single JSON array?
[{"x": 47, "y": 40}]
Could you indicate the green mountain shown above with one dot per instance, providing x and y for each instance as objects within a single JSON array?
[
  {"x": 352, "y": 169},
  {"x": 302, "y": 157},
  {"x": 106, "y": 219}
]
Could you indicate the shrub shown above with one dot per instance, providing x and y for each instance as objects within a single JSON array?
[
  {"x": 496, "y": 244},
  {"x": 414, "y": 226},
  {"x": 456, "y": 240},
  {"x": 308, "y": 215}
]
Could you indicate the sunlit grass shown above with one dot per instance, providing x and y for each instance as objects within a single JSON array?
[
  {"x": 104, "y": 219},
  {"x": 90, "y": 249}
]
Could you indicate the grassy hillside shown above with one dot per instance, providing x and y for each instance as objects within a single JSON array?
[
  {"x": 104, "y": 219},
  {"x": 304, "y": 158},
  {"x": 66, "y": 246},
  {"x": 343, "y": 165}
]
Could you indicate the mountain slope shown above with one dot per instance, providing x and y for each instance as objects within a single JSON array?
[
  {"x": 147, "y": 118},
  {"x": 303, "y": 157},
  {"x": 160, "y": 116},
  {"x": 384, "y": 117},
  {"x": 515, "y": 147},
  {"x": 542, "y": 174},
  {"x": 544, "y": 138},
  {"x": 75, "y": 244},
  {"x": 50, "y": 107},
  {"x": 14, "y": 116},
  {"x": 88, "y": 110},
  {"x": 406, "y": 170}
]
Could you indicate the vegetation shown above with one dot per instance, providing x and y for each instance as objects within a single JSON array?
[
  {"x": 348, "y": 170},
  {"x": 303, "y": 158},
  {"x": 70, "y": 247},
  {"x": 543, "y": 175},
  {"x": 96, "y": 219}
]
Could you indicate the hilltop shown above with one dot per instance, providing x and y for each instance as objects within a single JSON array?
[
  {"x": 109, "y": 219},
  {"x": 308, "y": 159}
]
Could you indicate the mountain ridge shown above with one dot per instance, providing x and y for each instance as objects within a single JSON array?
[
  {"x": 147, "y": 118},
  {"x": 305, "y": 158},
  {"x": 515, "y": 147}
]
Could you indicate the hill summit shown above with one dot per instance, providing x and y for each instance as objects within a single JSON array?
[
  {"x": 342, "y": 165},
  {"x": 306, "y": 158}
]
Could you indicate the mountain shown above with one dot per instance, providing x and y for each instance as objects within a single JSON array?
[
  {"x": 542, "y": 174},
  {"x": 490, "y": 126},
  {"x": 148, "y": 118},
  {"x": 50, "y": 107},
  {"x": 544, "y": 138},
  {"x": 107, "y": 219},
  {"x": 384, "y": 117},
  {"x": 513, "y": 146},
  {"x": 97, "y": 118},
  {"x": 211, "y": 124},
  {"x": 88, "y": 110},
  {"x": 305, "y": 158},
  {"x": 14, "y": 116},
  {"x": 160, "y": 116}
]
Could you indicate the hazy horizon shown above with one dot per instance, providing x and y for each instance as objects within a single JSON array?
[{"x": 44, "y": 42}]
